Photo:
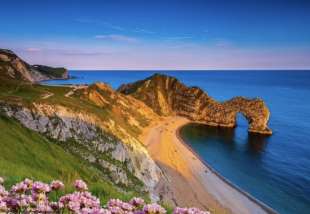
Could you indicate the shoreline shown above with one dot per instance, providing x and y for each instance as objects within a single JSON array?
[
  {"x": 188, "y": 181},
  {"x": 228, "y": 182}
]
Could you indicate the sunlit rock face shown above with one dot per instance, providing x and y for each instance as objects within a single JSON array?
[
  {"x": 13, "y": 67},
  {"x": 125, "y": 161},
  {"x": 168, "y": 96}
]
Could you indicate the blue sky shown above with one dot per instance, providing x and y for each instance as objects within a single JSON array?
[{"x": 149, "y": 34}]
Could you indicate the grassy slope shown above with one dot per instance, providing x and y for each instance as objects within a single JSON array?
[
  {"x": 25, "y": 153},
  {"x": 26, "y": 94}
]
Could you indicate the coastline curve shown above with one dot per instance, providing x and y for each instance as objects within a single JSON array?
[{"x": 261, "y": 204}]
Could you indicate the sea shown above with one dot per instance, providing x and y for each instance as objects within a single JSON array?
[{"x": 274, "y": 169}]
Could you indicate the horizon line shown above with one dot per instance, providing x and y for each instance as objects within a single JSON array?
[{"x": 229, "y": 69}]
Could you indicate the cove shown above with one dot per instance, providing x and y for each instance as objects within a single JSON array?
[{"x": 242, "y": 159}]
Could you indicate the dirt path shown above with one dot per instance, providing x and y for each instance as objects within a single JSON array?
[
  {"x": 74, "y": 88},
  {"x": 47, "y": 95}
]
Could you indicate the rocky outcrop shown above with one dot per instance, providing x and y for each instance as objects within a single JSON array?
[
  {"x": 168, "y": 96},
  {"x": 14, "y": 68}
]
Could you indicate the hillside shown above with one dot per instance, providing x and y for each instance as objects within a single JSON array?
[
  {"x": 95, "y": 124},
  {"x": 25, "y": 153}
]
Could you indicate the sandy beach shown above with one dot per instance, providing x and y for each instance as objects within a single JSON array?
[{"x": 187, "y": 181}]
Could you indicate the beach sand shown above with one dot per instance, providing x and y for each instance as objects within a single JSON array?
[{"x": 187, "y": 181}]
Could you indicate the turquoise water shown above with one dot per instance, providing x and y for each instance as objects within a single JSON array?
[{"x": 274, "y": 169}]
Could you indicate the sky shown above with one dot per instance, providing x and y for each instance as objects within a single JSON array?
[{"x": 159, "y": 34}]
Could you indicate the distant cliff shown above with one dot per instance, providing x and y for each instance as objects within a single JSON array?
[
  {"x": 14, "y": 68},
  {"x": 168, "y": 96}
]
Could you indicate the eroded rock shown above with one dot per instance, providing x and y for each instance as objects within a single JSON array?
[{"x": 168, "y": 96}]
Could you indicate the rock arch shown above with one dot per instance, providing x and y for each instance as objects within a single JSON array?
[
  {"x": 168, "y": 96},
  {"x": 254, "y": 110}
]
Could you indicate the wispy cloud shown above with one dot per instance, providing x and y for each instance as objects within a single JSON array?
[
  {"x": 117, "y": 38},
  {"x": 84, "y": 53},
  {"x": 179, "y": 38},
  {"x": 113, "y": 26},
  {"x": 101, "y": 23},
  {"x": 66, "y": 51},
  {"x": 223, "y": 43},
  {"x": 141, "y": 30},
  {"x": 32, "y": 49}
]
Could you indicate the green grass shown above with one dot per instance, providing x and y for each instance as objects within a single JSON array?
[{"x": 25, "y": 153}]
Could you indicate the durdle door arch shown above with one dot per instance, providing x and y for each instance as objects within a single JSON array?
[{"x": 168, "y": 96}]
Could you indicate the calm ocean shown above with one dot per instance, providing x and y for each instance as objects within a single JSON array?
[{"x": 274, "y": 169}]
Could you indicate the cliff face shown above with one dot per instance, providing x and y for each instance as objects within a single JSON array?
[
  {"x": 126, "y": 162},
  {"x": 97, "y": 124},
  {"x": 14, "y": 68},
  {"x": 167, "y": 96}
]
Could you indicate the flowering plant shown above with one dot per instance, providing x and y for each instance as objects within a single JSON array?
[{"x": 33, "y": 197}]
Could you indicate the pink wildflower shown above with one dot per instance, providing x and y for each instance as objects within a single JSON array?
[
  {"x": 80, "y": 185},
  {"x": 116, "y": 210},
  {"x": 94, "y": 211},
  {"x": 78, "y": 200},
  {"x": 3, "y": 192},
  {"x": 40, "y": 187},
  {"x": 32, "y": 197},
  {"x": 154, "y": 208},
  {"x": 57, "y": 185},
  {"x": 191, "y": 210},
  {"x": 28, "y": 182},
  {"x": 137, "y": 202},
  {"x": 3, "y": 207},
  {"x": 43, "y": 208},
  {"x": 180, "y": 210},
  {"x": 19, "y": 188}
]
